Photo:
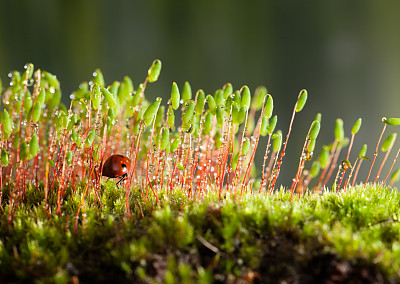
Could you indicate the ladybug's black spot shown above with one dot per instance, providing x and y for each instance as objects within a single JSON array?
[
  {"x": 123, "y": 165},
  {"x": 120, "y": 156}
]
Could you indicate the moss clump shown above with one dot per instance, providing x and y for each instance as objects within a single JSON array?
[{"x": 336, "y": 237}]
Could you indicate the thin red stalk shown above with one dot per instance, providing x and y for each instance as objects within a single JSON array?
[
  {"x": 256, "y": 134},
  {"x": 267, "y": 172},
  {"x": 391, "y": 167},
  {"x": 356, "y": 173},
  {"x": 347, "y": 157},
  {"x": 351, "y": 173},
  {"x": 300, "y": 167},
  {"x": 230, "y": 162},
  {"x": 264, "y": 174},
  {"x": 222, "y": 175},
  {"x": 333, "y": 164},
  {"x": 239, "y": 162},
  {"x": 383, "y": 162},
  {"x": 91, "y": 170},
  {"x": 284, "y": 148},
  {"x": 322, "y": 176},
  {"x": 341, "y": 179},
  {"x": 250, "y": 164},
  {"x": 375, "y": 154}
]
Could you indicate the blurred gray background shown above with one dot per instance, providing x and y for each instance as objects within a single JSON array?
[{"x": 345, "y": 53}]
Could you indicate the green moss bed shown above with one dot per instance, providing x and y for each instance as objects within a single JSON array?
[{"x": 346, "y": 237}]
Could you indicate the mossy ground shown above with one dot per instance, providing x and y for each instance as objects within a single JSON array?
[{"x": 350, "y": 237}]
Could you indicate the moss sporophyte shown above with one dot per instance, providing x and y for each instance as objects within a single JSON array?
[{"x": 53, "y": 156}]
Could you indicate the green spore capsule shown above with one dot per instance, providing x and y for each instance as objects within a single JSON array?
[
  {"x": 36, "y": 112},
  {"x": 123, "y": 93},
  {"x": 74, "y": 135},
  {"x": 272, "y": 124},
  {"x": 90, "y": 138},
  {"x": 228, "y": 90},
  {"x": 51, "y": 79},
  {"x": 151, "y": 111},
  {"x": 95, "y": 96},
  {"x": 187, "y": 115},
  {"x": 69, "y": 157},
  {"x": 219, "y": 114},
  {"x": 237, "y": 98},
  {"x": 63, "y": 120},
  {"x": 269, "y": 106},
  {"x": 277, "y": 141},
  {"x": 175, "y": 144},
  {"x": 160, "y": 116},
  {"x": 235, "y": 113},
  {"x": 258, "y": 98},
  {"x": 318, "y": 117},
  {"x": 301, "y": 101},
  {"x": 324, "y": 157},
  {"x": 136, "y": 127},
  {"x": 171, "y": 117},
  {"x": 7, "y": 123},
  {"x": 98, "y": 77},
  {"x": 217, "y": 139},
  {"x": 246, "y": 146},
  {"x": 175, "y": 96},
  {"x": 246, "y": 96},
  {"x": 242, "y": 114},
  {"x": 23, "y": 151},
  {"x": 339, "y": 131},
  {"x": 356, "y": 126},
  {"x": 154, "y": 71},
  {"x": 128, "y": 84},
  {"x": 228, "y": 104},
  {"x": 111, "y": 114},
  {"x": 186, "y": 92},
  {"x": 114, "y": 88},
  {"x": 219, "y": 97},
  {"x": 264, "y": 126},
  {"x": 17, "y": 108},
  {"x": 235, "y": 160},
  {"x": 393, "y": 179},
  {"x": 4, "y": 157},
  {"x": 181, "y": 167},
  {"x": 164, "y": 138},
  {"x": 82, "y": 92},
  {"x": 54, "y": 100},
  {"x": 16, "y": 81},
  {"x": 391, "y": 121},
  {"x": 363, "y": 151},
  {"x": 207, "y": 124},
  {"x": 388, "y": 142},
  {"x": 315, "y": 127},
  {"x": 29, "y": 68},
  {"x": 200, "y": 99},
  {"x": 79, "y": 142},
  {"x": 137, "y": 95},
  {"x": 109, "y": 97},
  {"x": 41, "y": 96},
  {"x": 28, "y": 101},
  {"x": 212, "y": 106},
  {"x": 310, "y": 148},
  {"x": 16, "y": 141},
  {"x": 33, "y": 146},
  {"x": 315, "y": 168}
]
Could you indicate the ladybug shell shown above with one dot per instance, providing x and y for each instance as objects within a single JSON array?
[{"x": 115, "y": 166}]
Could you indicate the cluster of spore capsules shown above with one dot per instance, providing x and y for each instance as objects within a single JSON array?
[{"x": 116, "y": 132}]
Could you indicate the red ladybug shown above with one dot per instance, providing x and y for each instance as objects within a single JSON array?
[{"x": 116, "y": 166}]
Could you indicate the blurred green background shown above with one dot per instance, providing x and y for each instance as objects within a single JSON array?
[{"x": 345, "y": 53}]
